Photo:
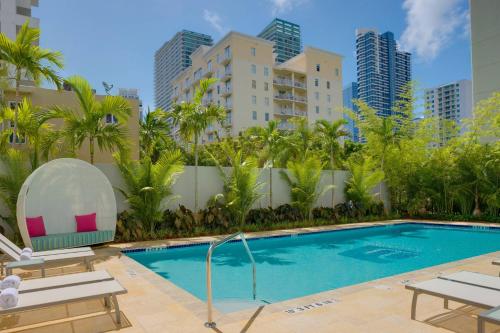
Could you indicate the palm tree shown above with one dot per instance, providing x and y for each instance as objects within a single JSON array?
[
  {"x": 304, "y": 183},
  {"x": 329, "y": 133},
  {"x": 363, "y": 178},
  {"x": 89, "y": 121},
  {"x": 193, "y": 118},
  {"x": 155, "y": 134},
  {"x": 29, "y": 60},
  {"x": 148, "y": 184},
  {"x": 272, "y": 139}
]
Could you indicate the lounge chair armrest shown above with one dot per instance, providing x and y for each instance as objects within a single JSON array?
[{"x": 25, "y": 263}]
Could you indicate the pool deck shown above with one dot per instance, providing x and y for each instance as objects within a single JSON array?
[{"x": 154, "y": 304}]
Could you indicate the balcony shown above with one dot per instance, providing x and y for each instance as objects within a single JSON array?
[
  {"x": 226, "y": 75},
  {"x": 228, "y": 105},
  {"x": 300, "y": 85},
  {"x": 283, "y": 82},
  {"x": 286, "y": 126},
  {"x": 226, "y": 58},
  {"x": 284, "y": 97},
  {"x": 300, "y": 99},
  {"x": 283, "y": 111},
  {"x": 208, "y": 73},
  {"x": 207, "y": 100},
  {"x": 226, "y": 91}
]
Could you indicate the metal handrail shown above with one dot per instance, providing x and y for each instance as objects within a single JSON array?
[{"x": 210, "y": 323}]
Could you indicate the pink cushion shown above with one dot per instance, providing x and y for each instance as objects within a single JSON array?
[
  {"x": 86, "y": 223},
  {"x": 36, "y": 227}
]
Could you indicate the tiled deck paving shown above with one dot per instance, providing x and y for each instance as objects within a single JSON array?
[{"x": 153, "y": 304}]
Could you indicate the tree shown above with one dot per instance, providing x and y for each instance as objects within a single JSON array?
[
  {"x": 193, "y": 118},
  {"x": 329, "y": 134},
  {"x": 89, "y": 121},
  {"x": 155, "y": 134},
  {"x": 364, "y": 176},
  {"x": 148, "y": 185},
  {"x": 303, "y": 180},
  {"x": 29, "y": 60},
  {"x": 271, "y": 139},
  {"x": 241, "y": 186}
]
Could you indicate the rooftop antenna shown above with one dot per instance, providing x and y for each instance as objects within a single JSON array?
[{"x": 107, "y": 87}]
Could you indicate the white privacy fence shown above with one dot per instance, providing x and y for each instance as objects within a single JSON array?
[{"x": 210, "y": 184}]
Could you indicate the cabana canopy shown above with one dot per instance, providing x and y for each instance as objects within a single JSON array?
[{"x": 60, "y": 190}]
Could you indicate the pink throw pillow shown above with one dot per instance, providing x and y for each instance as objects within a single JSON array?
[
  {"x": 86, "y": 223},
  {"x": 36, "y": 227}
]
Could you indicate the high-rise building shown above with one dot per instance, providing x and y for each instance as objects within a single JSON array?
[
  {"x": 451, "y": 101},
  {"x": 348, "y": 95},
  {"x": 13, "y": 14},
  {"x": 171, "y": 59},
  {"x": 383, "y": 70},
  {"x": 485, "y": 37},
  {"x": 286, "y": 38},
  {"x": 254, "y": 89}
]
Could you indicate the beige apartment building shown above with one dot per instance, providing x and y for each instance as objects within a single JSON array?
[
  {"x": 255, "y": 90},
  {"x": 46, "y": 98}
]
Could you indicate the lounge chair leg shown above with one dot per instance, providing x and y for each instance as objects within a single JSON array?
[
  {"x": 446, "y": 303},
  {"x": 117, "y": 310},
  {"x": 107, "y": 302},
  {"x": 43, "y": 272},
  {"x": 414, "y": 305},
  {"x": 480, "y": 325}
]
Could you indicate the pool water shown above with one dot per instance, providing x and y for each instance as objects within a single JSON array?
[{"x": 300, "y": 265}]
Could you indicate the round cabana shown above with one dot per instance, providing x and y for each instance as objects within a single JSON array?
[{"x": 66, "y": 203}]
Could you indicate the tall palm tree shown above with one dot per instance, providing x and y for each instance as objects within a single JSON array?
[
  {"x": 154, "y": 134},
  {"x": 193, "y": 118},
  {"x": 29, "y": 60},
  {"x": 329, "y": 133},
  {"x": 272, "y": 140},
  {"x": 88, "y": 122}
]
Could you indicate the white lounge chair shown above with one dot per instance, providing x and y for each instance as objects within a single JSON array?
[
  {"x": 469, "y": 288},
  {"x": 63, "y": 281},
  {"x": 18, "y": 250},
  {"x": 40, "y": 262},
  {"x": 69, "y": 294}
]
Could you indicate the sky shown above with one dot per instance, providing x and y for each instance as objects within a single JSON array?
[{"x": 115, "y": 40}]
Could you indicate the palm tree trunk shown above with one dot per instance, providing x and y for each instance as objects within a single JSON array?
[
  {"x": 477, "y": 210},
  {"x": 18, "y": 83},
  {"x": 271, "y": 187},
  {"x": 333, "y": 178},
  {"x": 196, "y": 173},
  {"x": 91, "y": 147}
]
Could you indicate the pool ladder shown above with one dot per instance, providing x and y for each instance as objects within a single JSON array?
[{"x": 210, "y": 323}]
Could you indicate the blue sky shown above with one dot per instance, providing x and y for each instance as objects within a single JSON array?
[{"x": 115, "y": 40}]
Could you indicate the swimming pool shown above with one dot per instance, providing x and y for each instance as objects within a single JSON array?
[{"x": 304, "y": 264}]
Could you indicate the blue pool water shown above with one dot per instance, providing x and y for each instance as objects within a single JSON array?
[{"x": 289, "y": 267}]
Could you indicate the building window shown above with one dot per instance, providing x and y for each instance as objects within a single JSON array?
[
  {"x": 266, "y": 101},
  {"x": 254, "y": 100},
  {"x": 317, "y": 68},
  {"x": 209, "y": 65},
  {"x": 266, "y": 86},
  {"x": 110, "y": 119},
  {"x": 266, "y": 116},
  {"x": 329, "y": 111},
  {"x": 317, "y": 109},
  {"x": 253, "y": 69},
  {"x": 254, "y": 115},
  {"x": 316, "y": 82},
  {"x": 254, "y": 84},
  {"x": 266, "y": 71},
  {"x": 227, "y": 52},
  {"x": 328, "y": 98},
  {"x": 336, "y": 72},
  {"x": 316, "y": 95},
  {"x": 327, "y": 84},
  {"x": 252, "y": 51},
  {"x": 23, "y": 11},
  {"x": 218, "y": 89}
]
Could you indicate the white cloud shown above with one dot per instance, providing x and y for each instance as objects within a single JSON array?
[
  {"x": 432, "y": 25},
  {"x": 214, "y": 19},
  {"x": 283, "y": 6}
]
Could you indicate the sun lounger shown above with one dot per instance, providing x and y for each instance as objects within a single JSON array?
[
  {"x": 64, "y": 295},
  {"x": 18, "y": 250},
  {"x": 474, "y": 279},
  {"x": 41, "y": 261},
  {"x": 63, "y": 281},
  {"x": 465, "y": 293}
]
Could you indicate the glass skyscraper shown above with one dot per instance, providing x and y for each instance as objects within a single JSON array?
[
  {"x": 348, "y": 94},
  {"x": 171, "y": 59},
  {"x": 383, "y": 70},
  {"x": 286, "y": 38}
]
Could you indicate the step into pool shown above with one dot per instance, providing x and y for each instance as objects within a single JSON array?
[{"x": 309, "y": 263}]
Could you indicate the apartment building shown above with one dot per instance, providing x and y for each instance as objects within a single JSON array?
[
  {"x": 255, "y": 90},
  {"x": 132, "y": 93},
  {"x": 383, "y": 70},
  {"x": 13, "y": 14},
  {"x": 46, "y": 98},
  {"x": 171, "y": 59},
  {"x": 451, "y": 101},
  {"x": 286, "y": 38},
  {"x": 485, "y": 38}
]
